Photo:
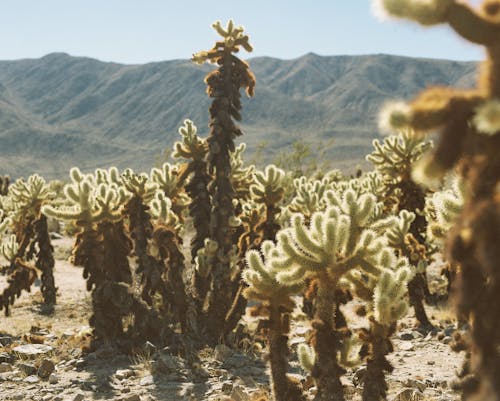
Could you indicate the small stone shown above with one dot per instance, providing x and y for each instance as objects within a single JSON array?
[
  {"x": 446, "y": 340},
  {"x": 409, "y": 394},
  {"x": 238, "y": 394},
  {"x": 168, "y": 364},
  {"x": 47, "y": 397},
  {"x": 421, "y": 386},
  {"x": 406, "y": 346},
  {"x": 132, "y": 397},
  {"x": 406, "y": 336},
  {"x": 46, "y": 368},
  {"x": 31, "y": 379},
  {"x": 5, "y": 340},
  {"x": 222, "y": 352},
  {"x": 227, "y": 387},
  {"x": 149, "y": 348},
  {"x": 5, "y": 357},
  {"x": 27, "y": 368},
  {"x": 79, "y": 397},
  {"x": 32, "y": 350},
  {"x": 53, "y": 378},
  {"x": 121, "y": 374},
  {"x": 147, "y": 380},
  {"x": 431, "y": 363},
  {"x": 5, "y": 367}
]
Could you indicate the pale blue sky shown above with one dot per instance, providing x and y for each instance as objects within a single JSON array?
[{"x": 139, "y": 31}]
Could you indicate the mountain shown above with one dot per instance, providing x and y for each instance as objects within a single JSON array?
[{"x": 59, "y": 111}]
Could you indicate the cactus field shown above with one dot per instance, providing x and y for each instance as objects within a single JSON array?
[{"x": 211, "y": 278}]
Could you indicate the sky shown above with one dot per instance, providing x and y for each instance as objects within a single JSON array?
[{"x": 141, "y": 31}]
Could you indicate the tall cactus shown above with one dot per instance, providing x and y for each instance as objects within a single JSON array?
[
  {"x": 223, "y": 86},
  {"x": 468, "y": 123}
]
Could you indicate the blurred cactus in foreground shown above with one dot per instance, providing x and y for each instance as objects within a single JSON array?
[{"x": 468, "y": 124}]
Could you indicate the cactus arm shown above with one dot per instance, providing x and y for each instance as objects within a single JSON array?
[{"x": 472, "y": 26}]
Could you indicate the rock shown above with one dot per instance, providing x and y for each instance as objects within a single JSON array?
[
  {"x": 78, "y": 397},
  {"x": 449, "y": 331},
  {"x": 406, "y": 336},
  {"x": 359, "y": 376},
  {"x": 5, "y": 357},
  {"x": 406, "y": 346},
  {"x": 227, "y": 387},
  {"x": 31, "y": 379},
  {"x": 32, "y": 350},
  {"x": 80, "y": 363},
  {"x": 27, "y": 368},
  {"x": 5, "y": 367},
  {"x": 149, "y": 348},
  {"x": 46, "y": 368},
  {"x": 222, "y": 352},
  {"x": 124, "y": 374},
  {"x": 421, "y": 386},
  {"x": 168, "y": 364},
  {"x": 132, "y": 397},
  {"x": 446, "y": 340},
  {"x": 431, "y": 363},
  {"x": 53, "y": 378},
  {"x": 238, "y": 394},
  {"x": 47, "y": 397},
  {"x": 235, "y": 361},
  {"x": 409, "y": 394},
  {"x": 147, "y": 380},
  {"x": 5, "y": 340}
]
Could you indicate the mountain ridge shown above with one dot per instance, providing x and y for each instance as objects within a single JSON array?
[{"x": 58, "y": 111}]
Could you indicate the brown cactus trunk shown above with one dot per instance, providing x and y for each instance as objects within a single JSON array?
[{"x": 45, "y": 262}]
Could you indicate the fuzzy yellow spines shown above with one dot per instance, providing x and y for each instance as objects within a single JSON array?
[
  {"x": 9, "y": 248},
  {"x": 395, "y": 156},
  {"x": 242, "y": 177},
  {"x": 302, "y": 249},
  {"x": 425, "y": 12},
  {"x": 139, "y": 185},
  {"x": 110, "y": 176},
  {"x": 309, "y": 197},
  {"x": 29, "y": 195},
  {"x": 269, "y": 185},
  {"x": 80, "y": 198},
  {"x": 261, "y": 279},
  {"x": 233, "y": 38},
  {"x": 390, "y": 302},
  {"x": 191, "y": 146},
  {"x": 167, "y": 179},
  {"x": 110, "y": 200},
  {"x": 442, "y": 209},
  {"x": 204, "y": 257},
  {"x": 5, "y": 222},
  {"x": 397, "y": 232},
  {"x": 361, "y": 208},
  {"x": 307, "y": 357},
  {"x": 487, "y": 117},
  {"x": 160, "y": 208}
]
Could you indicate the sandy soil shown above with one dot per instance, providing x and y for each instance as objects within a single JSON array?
[{"x": 424, "y": 365}]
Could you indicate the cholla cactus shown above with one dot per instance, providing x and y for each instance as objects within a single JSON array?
[
  {"x": 4, "y": 184},
  {"x": 101, "y": 248},
  {"x": 309, "y": 197},
  {"x": 269, "y": 190},
  {"x": 30, "y": 226},
  {"x": 394, "y": 159},
  {"x": 242, "y": 176},
  {"x": 195, "y": 149},
  {"x": 342, "y": 247},
  {"x": 169, "y": 180},
  {"x": 275, "y": 303},
  {"x": 223, "y": 86},
  {"x": 468, "y": 121}
]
